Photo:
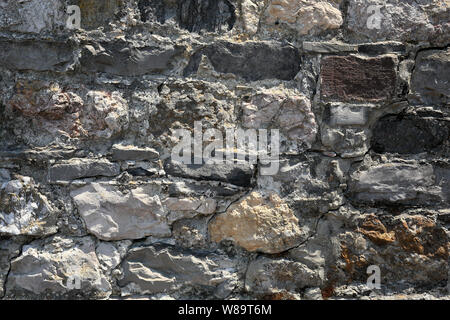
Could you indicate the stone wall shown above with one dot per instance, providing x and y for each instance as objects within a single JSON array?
[{"x": 92, "y": 205}]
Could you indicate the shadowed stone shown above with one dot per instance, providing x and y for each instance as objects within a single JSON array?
[
  {"x": 122, "y": 59},
  {"x": 250, "y": 60},
  {"x": 37, "y": 56}
]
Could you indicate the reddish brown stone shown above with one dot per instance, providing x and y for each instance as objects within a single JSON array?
[{"x": 353, "y": 78}]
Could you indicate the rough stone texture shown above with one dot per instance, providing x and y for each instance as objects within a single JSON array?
[
  {"x": 401, "y": 20},
  {"x": 243, "y": 59},
  {"x": 42, "y": 56},
  {"x": 82, "y": 168},
  {"x": 281, "y": 110},
  {"x": 111, "y": 215},
  {"x": 396, "y": 183},
  {"x": 430, "y": 80},
  {"x": 353, "y": 78},
  {"x": 258, "y": 224},
  {"x": 304, "y": 16},
  {"x": 411, "y": 133},
  {"x": 192, "y": 15},
  {"x": 24, "y": 211},
  {"x": 267, "y": 277},
  {"x": 93, "y": 205},
  {"x": 160, "y": 268},
  {"x": 123, "y": 59},
  {"x": 56, "y": 267}
]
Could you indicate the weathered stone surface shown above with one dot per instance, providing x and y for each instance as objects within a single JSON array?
[
  {"x": 410, "y": 134},
  {"x": 24, "y": 211},
  {"x": 328, "y": 47},
  {"x": 192, "y": 15},
  {"x": 382, "y": 47},
  {"x": 238, "y": 173},
  {"x": 57, "y": 111},
  {"x": 124, "y": 59},
  {"x": 110, "y": 214},
  {"x": 258, "y": 224},
  {"x": 395, "y": 184},
  {"x": 209, "y": 15},
  {"x": 82, "y": 168},
  {"x": 400, "y": 20},
  {"x": 353, "y": 78},
  {"x": 345, "y": 115},
  {"x": 188, "y": 207},
  {"x": 59, "y": 266},
  {"x": 160, "y": 268},
  {"x": 430, "y": 80},
  {"x": 32, "y": 16},
  {"x": 304, "y": 16},
  {"x": 282, "y": 110},
  {"x": 347, "y": 142},
  {"x": 37, "y": 56},
  {"x": 243, "y": 59},
  {"x": 9, "y": 249},
  {"x": 124, "y": 152},
  {"x": 96, "y": 14},
  {"x": 266, "y": 276},
  {"x": 410, "y": 248}
]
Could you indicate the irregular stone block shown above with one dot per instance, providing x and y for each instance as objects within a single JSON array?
[
  {"x": 430, "y": 79},
  {"x": 353, "y": 78},
  {"x": 285, "y": 111},
  {"x": 110, "y": 214},
  {"x": 209, "y": 15},
  {"x": 238, "y": 173},
  {"x": 395, "y": 184},
  {"x": 24, "y": 211},
  {"x": 410, "y": 134},
  {"x": 122, "y": 152},
  {"x": 126, "y": 60},
  {"x": 409, "y": 248},
  {"x": 37, "y": 56},
  {"x": 400, "y": 20},
  {"x": 245, "y": 60},
  {"x": 160, "y": 268},
  {"x": 304, "y": 16},
  {"x": 32, "y": 16},
  {"x": 193, "y": 15},
  {"x": 82, "y": 168},
  {"x": 258, "y": 224},
  {"x": 96, "y": 13},
  {"x": 58, "y": 267},
  {"x": 347, "y": 142},
  {"x": 8, "y": 250},
  {"x": 268, "y": 276}
]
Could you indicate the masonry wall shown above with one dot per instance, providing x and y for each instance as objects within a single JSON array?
[{"x": 93, "y": 206}]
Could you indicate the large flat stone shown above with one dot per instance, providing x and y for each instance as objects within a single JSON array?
[
  {"x": 68, "y": 170},
  {"x": 430, "y": 82},
  {"x": 37, "y": 56},
  {"x": 127, "y": 60},
  {"x": 161, "y": 268},
  {"x": 60, "y": 267},
  {"x": 237, "y": 173},
  {"x": 396, "y": 184},
  {"x": 353, "y": 78},
  {"x": 258, "y": 224},
  {"x": 112, "y": 215},
  {"x": 280, "y": 61}
]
